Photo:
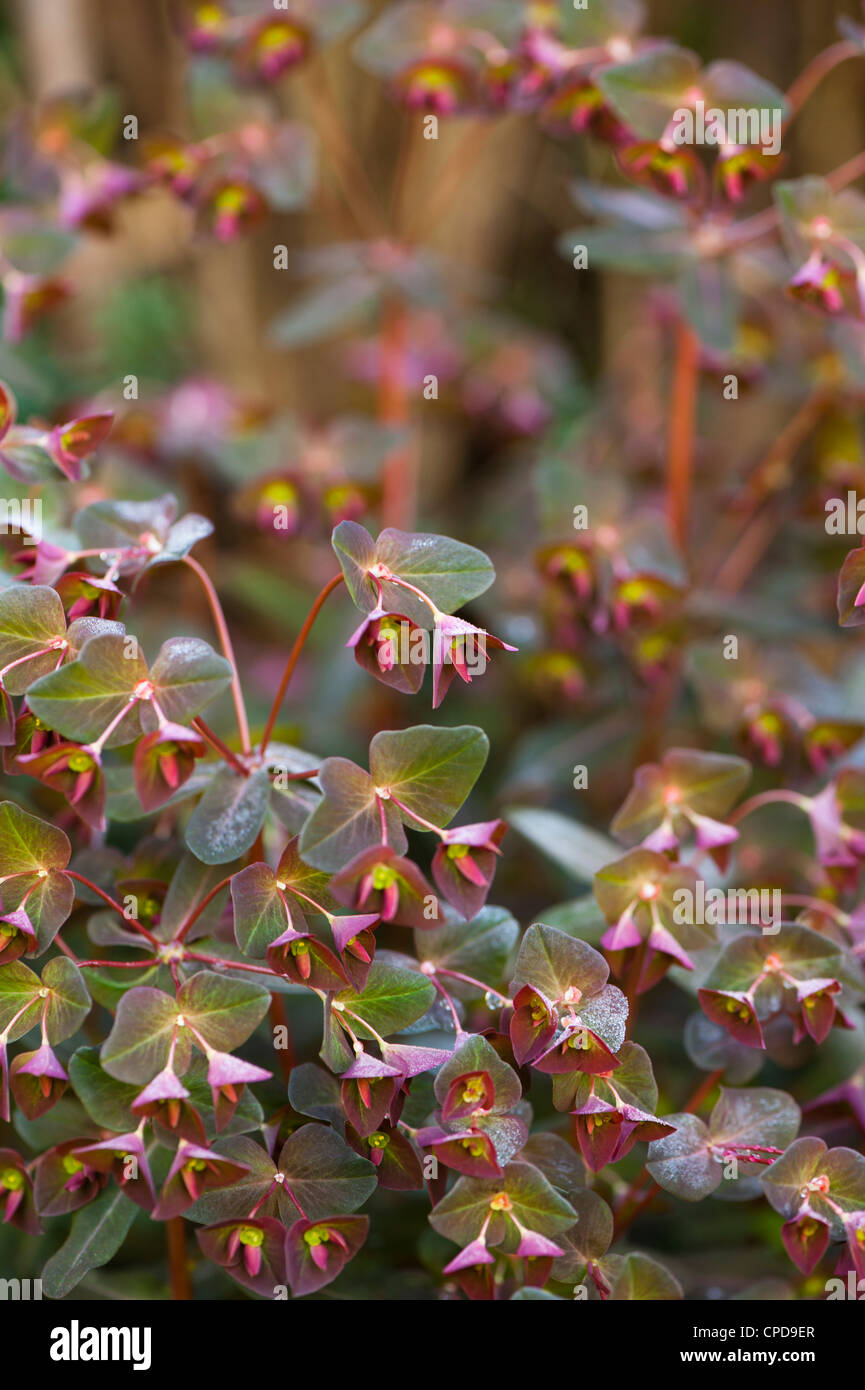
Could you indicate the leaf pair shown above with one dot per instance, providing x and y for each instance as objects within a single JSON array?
[{"x": 417, "y": 776}]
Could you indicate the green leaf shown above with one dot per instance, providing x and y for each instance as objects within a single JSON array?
[
  {"x": 326, "y": 1176},
  {"x": 68, "y": 1003},
  {"x": 448, "y": 572},
  {"x": 187, "y": 675},
  {"x": 392, "y": 998},
  {"x": 800, "y": 202},
  {"x": 595, "y": 24},
  {"x": 32, "y": 245},
  {"x": 429, "y": 771},
  {"x": 682, "y": 1162},
  {"x": 460, "y": 1214},
  {"x": 708, "y": 784},
  {"x": 661, "y": 251},
  {"x": 97, "y": 1233},
  {"x": 19, "y": 989},
  {"x": 248, "y": 1190},
  {"x": 320, "y": 311},
  {"x": 554, "y": 962},
  {"x": 481, "y": 948},
  {"x": 106, "y": 1100},
  {"x": 28, "y": 844},
  {"x": 755, "y": 1115},
  {"x": 227, "y": 819},
  {"x": 81, "y": 699},
  {"x": 588, "y": 1239},
  {"x": 806, "y": 1159},
  {"x": 577, "y": 849},
  {"x": 641, "y": 1278},
  {"x": 31, "y": 617},
  {"x": 181, "y": 538},
  {"x": 124, "y": 525},
  {"x": 645, "y": 91},
  {"x": 347, "y": 820},
  {"x": 190, "y": 884},
  {"x": 140, "y": 1039},
  {"x": 313, "y": 1091},
  {"x": 806, "y": 955},
  {"x": 687, "y": 1161},
  {"x": 224, "y": 1011},
  {"x": 634, "y": 1080},
  {"x": 259, "y": 911},
  {"x": 711, "y": 304}
]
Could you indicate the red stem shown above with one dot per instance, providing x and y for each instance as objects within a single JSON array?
[
  {"x": 218, "y": 746},
  {"x": 181, "y": 1287},
  {"x": 197, "y": 911},
  {"x": 230, "y": 964},
  {"x": 133, "y": 921},
  {"x": 705, "y": 1088},
  {"x": 227, "y": 648},
  {"x": 293, "y": 657}
]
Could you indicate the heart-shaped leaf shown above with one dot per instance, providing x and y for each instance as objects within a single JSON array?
[
  {"x": 428, "y": 771},
  {"x": 481, "y": 948},
  {"x": 323, "y": 1173},
  {"x": 187, "y": 674},
  {"x": 140, "y": 1040},
  {"x": 259, "y": 911},
  {"x": 461, "y": 1214},
  {"x": 68, "y": 1003},
  {"x": 223, "y": 1010},
  {"x": 31, "y": 619},
  {"x": 82, "y": 698},
  {"x": 553, "y": 962},
  {"x": 392, "y": 999},
  {"x": 347, "y": 820},
  {"x": 448, "y": 572}
]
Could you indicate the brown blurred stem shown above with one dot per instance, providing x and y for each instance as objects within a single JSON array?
[
  {"x": 358, "y": 193},
  {"x": 683, "y": 414},
  {"x": 399, "y": 473},
  {"x": 761, "y": 526},
  {"x": 279, "y": 1019},
  {"x": 175, "y": 1232},
  {"x": 443, "y": 195},
  {"x": 293, "y": 656},
  {"x": 813, "y": 74}
]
